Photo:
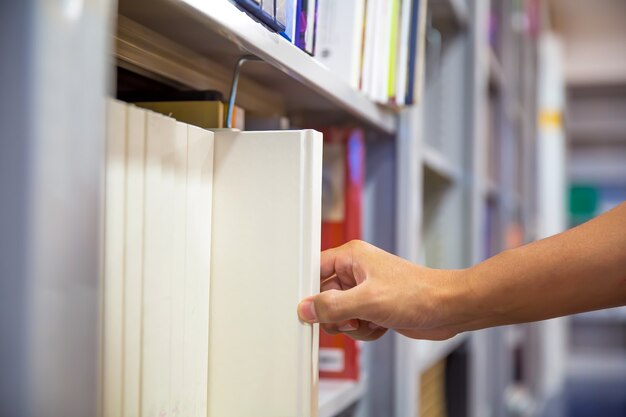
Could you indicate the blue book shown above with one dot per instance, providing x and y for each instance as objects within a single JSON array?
[
  {"x": 291, "y": 7},
  {"x": 306, "y": 21},
  {"x": 265, "y": 13},
  {"x": 413, "y": 45}
]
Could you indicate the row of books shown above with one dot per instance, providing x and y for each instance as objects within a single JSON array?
[
  {"x": 377, "y": 46},
  {"x": 203, "y": 230},
  {"x": 294, "y": 19},
  {"x": 342, "y": 188}
]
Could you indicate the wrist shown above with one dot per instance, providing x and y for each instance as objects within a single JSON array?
[{"x": 464, "y": 303}]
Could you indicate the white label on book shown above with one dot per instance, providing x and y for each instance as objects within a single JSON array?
[{"x": 332, "y": 360}]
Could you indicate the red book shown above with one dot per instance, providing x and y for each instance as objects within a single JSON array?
[{"x": 342, "y": 192}]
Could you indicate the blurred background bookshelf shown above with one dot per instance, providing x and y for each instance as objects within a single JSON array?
[{"x": 455, "y": 166}]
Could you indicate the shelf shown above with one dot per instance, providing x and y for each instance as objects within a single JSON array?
[
  {"x": 337, "y": 395},
  {"x": 514, "y": 336},
  {"x": 490, "y": 190},
  {"x": 430, "y": 352},
  {"x": 221, "y": 33},
  {"x": 437, "y": 162},
  {"x": 496, "y": 74},
  {"x": 449, "y": 14}
]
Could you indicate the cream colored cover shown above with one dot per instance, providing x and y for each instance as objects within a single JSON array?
[{"x": 265, "y": 258}]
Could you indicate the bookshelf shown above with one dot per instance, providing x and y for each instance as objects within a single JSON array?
[
  {"x": 336, "y": 395},
  {"x": 305, "y": 85},
  {"x": 425, "y": 183}
]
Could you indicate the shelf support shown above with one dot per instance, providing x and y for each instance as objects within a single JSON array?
[{"x": 233, "y": 87}]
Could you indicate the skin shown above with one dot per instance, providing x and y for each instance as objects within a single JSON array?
[{"x": 365, "y": 290}]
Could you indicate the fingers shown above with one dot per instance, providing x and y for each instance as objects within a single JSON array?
[
  {"x": 332, "y": 306},
  {"x": 356, "y": 329},
  {"x": 340, "y": 260}
]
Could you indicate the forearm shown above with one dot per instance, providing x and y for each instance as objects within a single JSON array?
[{"x": 580, "y": 270}]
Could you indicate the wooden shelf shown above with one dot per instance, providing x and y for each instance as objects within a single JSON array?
[
  {"x": 437, "y": 162},
  {"x": 215, "y": 34},
  {"x": 337, "y": 395}
]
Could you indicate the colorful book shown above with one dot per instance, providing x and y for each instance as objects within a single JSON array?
[
  {"x": 394, "y": 18},
  {"x": 416, "y": 52},
  {"x": 369, "y": 46},
  {"x": 402, "y": 67},
  {"x": 306, "y": 22},
  {"x": 291, "y": 8},
  {"x": 264, "y": 11}
]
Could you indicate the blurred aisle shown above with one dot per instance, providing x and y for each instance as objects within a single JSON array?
[{"x": 596, "y": 383}]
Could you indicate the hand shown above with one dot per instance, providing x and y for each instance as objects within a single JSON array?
[{"x": 365, "y": 291}]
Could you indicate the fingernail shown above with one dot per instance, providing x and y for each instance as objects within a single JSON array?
[
  {"x": 350, "y": 326},
  {"x": 306, "y": 311}
]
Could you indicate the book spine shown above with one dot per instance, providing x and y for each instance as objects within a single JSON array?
[
  {"x": 393, "y": 48},
  {"x": 133, "y": 285}
]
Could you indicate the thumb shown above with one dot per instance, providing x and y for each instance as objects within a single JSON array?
[{"x": 330, "y": 306}]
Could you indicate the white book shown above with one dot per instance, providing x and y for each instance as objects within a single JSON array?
[
  {"x": 403, "y": 52},
  {"x": 158, "y": 265},
  {"x": 369, "y": 48},
  {"x": 179, "y": 403},
  {"x": 113, "y": 279},
  {"x": 197, "y": 271},
  {"x": 265, "y": 259},
  {"x": 380, "y": 60},
  {"x": 340, "y": 37},
  {"x": 133, "y": 262}
]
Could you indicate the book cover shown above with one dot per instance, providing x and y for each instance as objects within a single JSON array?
[
  {"x": 197, "y": 270},
  {"x": 265, "y": 259},
  {"x": 369, "y": 47},
  {"x": 291, "y": 14},
  {"x": 113, "y": 262},
  {"x": 403, "y": 53},
  {"x": 339, "y": 41},
  {"x": 416, "y": 51},
  {"x": 381, "y": 51},
  {"x": 394, "y": 11},
  {"x": 159, "y": 272},
  {"x": 305, "y": 25},
  {"x": 281, "y": 12},
  {"x": 133, "y": 261},
  {"x": 343, "y": 177},
  {"x": 264, "y": 11}
]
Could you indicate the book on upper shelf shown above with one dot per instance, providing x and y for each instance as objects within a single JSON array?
[
  {"x": 271, "y": 13},
  {"x": 377, "y": 46}
]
